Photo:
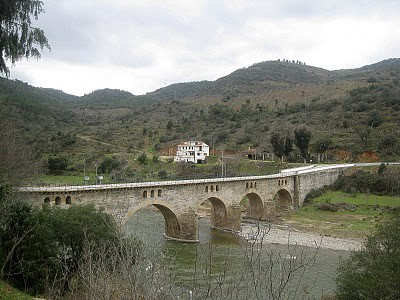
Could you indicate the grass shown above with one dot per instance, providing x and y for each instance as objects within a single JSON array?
[
  {"x": 138, "y": 172},
  {"x": 370, "y": 211},
  {"x": 68, "y": 180},
  {"x": 358, "y": 199},
  {"x": 9, "y": 293}
]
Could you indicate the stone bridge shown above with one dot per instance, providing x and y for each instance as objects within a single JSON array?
[{"x": 179, "y": 201}]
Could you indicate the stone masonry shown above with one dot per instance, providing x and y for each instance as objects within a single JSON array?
[{"x": 178, "y": 201}]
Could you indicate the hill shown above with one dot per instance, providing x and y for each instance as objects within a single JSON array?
[
  {"x": 355, "y": 111},
  {"x": 105, "y": 98}
]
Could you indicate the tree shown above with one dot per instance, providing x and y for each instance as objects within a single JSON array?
[
  {"x": 389, "y": 145},
  {"x": 156, "y": 158},
  {"x": 169, "y": 125},
  {"x": 109, "y": 164},
  {"x": 321, "y": 145},
  {"x": 42, "y": 248},
  {"x": 281, "y": 143},
  {"x": 302, "y": 140},
  {"x": 374, "y": 272},
  {"x": 374, "y": 119},
  {"x": 364, "y": 132},
  {"x": 278, "y": 144},
  {"x": 15, "y": 159},
  {"x": 142, "y": 159},
  {"x": 57, "y": 164},
  {"x": 162, "y": 174},
  {"x": 18, "y": 38},
  {"x": 288, "y": 145}
]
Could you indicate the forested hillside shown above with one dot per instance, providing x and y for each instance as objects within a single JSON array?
[{"x": 352, "y": 114}]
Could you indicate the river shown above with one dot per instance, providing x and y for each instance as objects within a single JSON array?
[{"x": 222, "y": 260}]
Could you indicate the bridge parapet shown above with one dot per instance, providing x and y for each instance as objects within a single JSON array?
[{"x": 179, "y": 200}]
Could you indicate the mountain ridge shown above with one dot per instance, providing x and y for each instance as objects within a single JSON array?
[{"x": 237, "y": 111}]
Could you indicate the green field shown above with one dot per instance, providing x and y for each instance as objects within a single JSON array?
[
  {"x": 358, "y": 199},
  {"x": 359, "y": 220}
]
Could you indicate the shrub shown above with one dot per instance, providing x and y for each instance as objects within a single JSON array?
[
  {"x": 142, "y": 159},
  {"x": 314, "y": 194},
  {"x": 162, "y": 174},
  {"x": 386, "y": 183},
  {"x": 40, "y": 248},
  {"x": 373, "y": 272}
]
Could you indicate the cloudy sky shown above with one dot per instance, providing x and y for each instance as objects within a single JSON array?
[{"x": 139, "y": 46}]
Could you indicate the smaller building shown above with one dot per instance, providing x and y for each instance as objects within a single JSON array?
[{"x": 192, "y": 151}]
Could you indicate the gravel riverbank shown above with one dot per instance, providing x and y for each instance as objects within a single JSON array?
[{"x": 278, "y": 234}]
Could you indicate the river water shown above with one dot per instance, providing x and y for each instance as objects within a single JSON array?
[{"x": 222, "y": 260}]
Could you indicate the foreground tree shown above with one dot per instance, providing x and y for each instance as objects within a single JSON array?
[
  {"x": 41, "y": 249},
  {"x": 18, "y": 38},
  {"x": 15, "y": 160},
  {"x": 373, "y": 273}
]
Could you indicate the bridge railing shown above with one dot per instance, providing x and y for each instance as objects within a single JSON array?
[{"x": 151, "y": 184}]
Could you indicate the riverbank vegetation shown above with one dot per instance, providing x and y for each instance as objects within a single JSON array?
[
  {"x": 353, "y": 206},
  {"x": 80, "y": 253},
  {"x": 373, "y": 272}
]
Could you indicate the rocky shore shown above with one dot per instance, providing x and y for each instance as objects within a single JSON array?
[{"x": 278, "y": 234}]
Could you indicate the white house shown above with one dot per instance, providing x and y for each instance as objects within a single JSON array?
[{"x": 192, "y": 151}]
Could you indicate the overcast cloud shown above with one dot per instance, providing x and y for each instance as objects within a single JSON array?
[{"x": 139, "y": 46}]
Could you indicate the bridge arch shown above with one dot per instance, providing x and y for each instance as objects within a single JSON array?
[
  {"x": 255, "y": 209},
  {"x": 172, "y": 224},
  {"x": 218, "y": 213},
  {"x": 283, "y": 200}
]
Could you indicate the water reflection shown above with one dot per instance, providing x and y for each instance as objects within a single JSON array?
[{"x": 226, "y": 258}]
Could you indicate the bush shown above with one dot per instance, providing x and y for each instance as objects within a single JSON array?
[
  {"x": 142, "y": 159},
  {"x": 374, "y": 272},
  {"x": 42, "y": 248},
  {"x": 335, "y": 207},
  {"x": 386, "y": 183},
  {"x": 162, "y": 174},
  {"x": 314, "y": 194}
]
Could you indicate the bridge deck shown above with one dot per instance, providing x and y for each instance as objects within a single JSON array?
[{"x": 76, "y": 188}]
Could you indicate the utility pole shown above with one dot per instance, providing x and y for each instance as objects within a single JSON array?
[
  {"x": 84, "y": 171},
  {"x": 223, "y": 167},
  {"x": 222, "y": 163},
  {"x": 96, "y": 171}
]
